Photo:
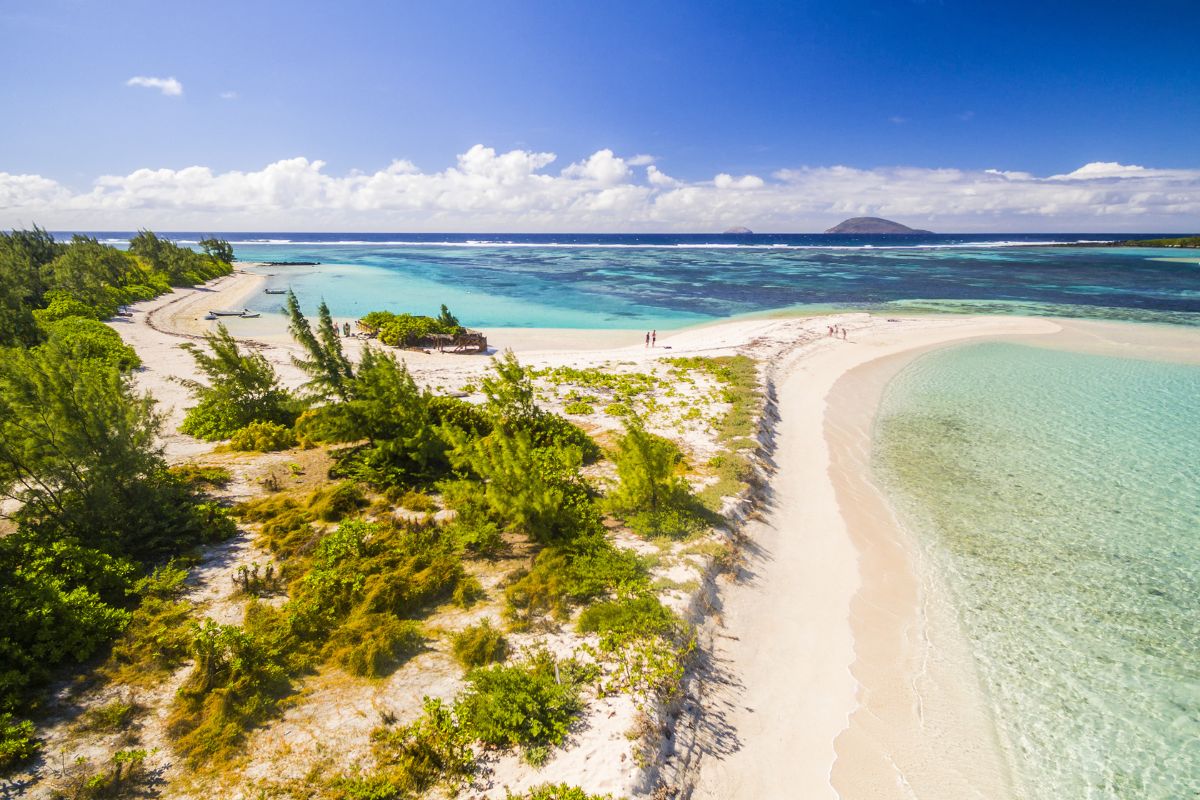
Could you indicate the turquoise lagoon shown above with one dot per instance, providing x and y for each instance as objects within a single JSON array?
[
  {"x": 1056, "y": 496},
  {"x": 665, "y": 282}
]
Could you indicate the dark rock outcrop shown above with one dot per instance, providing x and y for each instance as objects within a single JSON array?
[{"x": 872, "y": 225}]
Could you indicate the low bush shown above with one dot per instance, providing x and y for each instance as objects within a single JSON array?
[
  {"x": 334, "y": 503},
  {"x": 532, "y": 489},
  {"x": 263, "y": 437},
  {"x": 578, "y": 408},
  {"x": 62, "y": 305},
  {"x": 286, "y": 523},
  {"x": 409, "y": 330},
  {"x": 642, "y": 641},
  {"x": 17, "y": 742},
  {"x": 124, "y": 776},
  {"x": 116, "y": 715},
  {"x": 563, "y": 575},
  {"x": 479, "y": 645},
  {"x": 236, "y": 683},
  {"x": 476, "y": 535},
  {"x": 468, "y": 592},
  {"x": 529, "y": 705},
  {"x": 375, "y": 568},
  {"x": 618, "y": 409},
  {"x": 416, "y": 501},
  {"x": 555, "y": 791},
  {"x": 414, "y": 759},
  {"x": 371, "y": 645},
  {"x": 473, "y": 528},
  {"x": 454, "y": 412},
  {"x": 158, "y": 639},
  {"x": 641, "y": 615},
  {"x": 651, "y": 498},
  {"x": 552, "y": 431},
  {"x": 89, "y": 338},
  {"x": 202, "y": 477}
]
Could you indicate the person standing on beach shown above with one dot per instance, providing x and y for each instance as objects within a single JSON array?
[
  {"x": 647, "y": 338},
  {"x": 654, "y": 338}
]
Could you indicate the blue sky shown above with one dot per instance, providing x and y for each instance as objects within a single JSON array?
[{"x": 701, "y": 88}]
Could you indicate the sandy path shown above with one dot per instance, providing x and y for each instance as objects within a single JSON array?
[{"x": 785, "y": 650}]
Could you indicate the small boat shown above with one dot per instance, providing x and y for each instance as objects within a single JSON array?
[
  {"x": 248, "y": 314},
  {"x": 228, "y": 313},
  {"x": 210, "y": 315},
  {"x": 276, "y": 291}
]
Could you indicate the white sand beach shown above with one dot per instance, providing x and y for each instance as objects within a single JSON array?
[{"x": 819, "y": 683}]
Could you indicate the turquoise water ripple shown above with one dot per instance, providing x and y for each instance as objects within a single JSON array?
[{"x": 1058, "y": 495}]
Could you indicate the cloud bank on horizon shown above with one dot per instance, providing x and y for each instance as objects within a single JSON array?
[{"x": 517, "y": 192}]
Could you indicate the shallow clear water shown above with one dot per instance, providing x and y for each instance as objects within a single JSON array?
[{"x": 1058, "y": 496}]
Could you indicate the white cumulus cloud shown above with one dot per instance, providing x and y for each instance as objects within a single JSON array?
[
  {"x": 168, "y": 86},
  {"x": 518, "y": 190}
]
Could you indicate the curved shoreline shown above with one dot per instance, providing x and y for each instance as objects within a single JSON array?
[
  {"x": 922, "y": 726},
  {"x": 786, "y": 636}
]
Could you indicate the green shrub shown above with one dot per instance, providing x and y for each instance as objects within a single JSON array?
[
  {"x": 84, "y": 337},
  {"x": 478, "y": 645},
  {"x": 618, "y": 409},
  {"x": 555, "y": 791},
  {"x": 406, "y": 445},
  {"x": 156, "y": 642},
  {"x": 408, "y": 330},
  {"x": 286, "y": 524},
  {"x": 62, "y": 306},
  {"x": 552, "y": 431},
  {"x": 158, "y": 639},
  {"x": 59, "y": 603},
  {"x": 644, "y": 642},
  {"x": 652, "y": 499},
  {"x": 467, "y": 592},
  {"x": 563, "y": 575},
  {"x": 476, "y": 534},
  {"x": 375, "y": 568},
  {"x": 336, "y": 502},
  {"x": 578, "y": 407},
  {"x": 413, "y": 759},
  {"x": 457, "y": 413},
  {"x": 531, "y": 489},
  {"x": 242, "y": 388},
  {"x": 201, "y": 477},
  {"x": 263, "y": 437},
  {"x": 371, "y": 645},
  {"x": 417, "y": 501},
  {"x": 17, "y": 742},
  {"x": 641, "y": 615},
  {"x": 529, "y": 705},
  {"x": 115, "y": 715},
  {"x": 235, "y": 683}
]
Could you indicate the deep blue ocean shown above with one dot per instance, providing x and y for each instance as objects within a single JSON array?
[{"x": 669, "y": 281}]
